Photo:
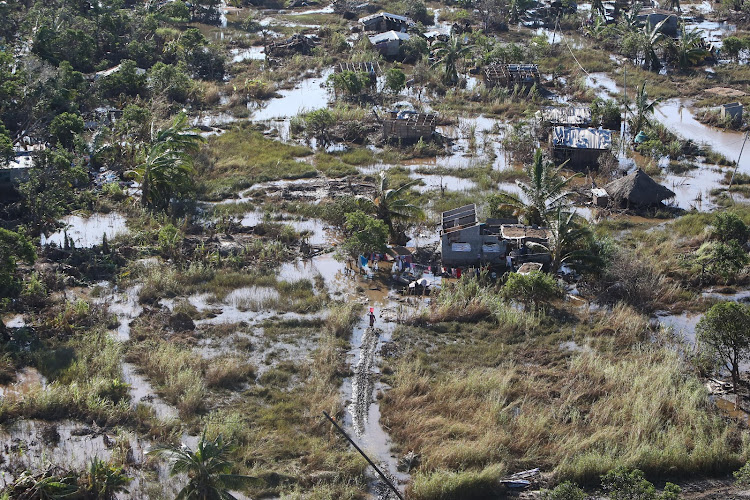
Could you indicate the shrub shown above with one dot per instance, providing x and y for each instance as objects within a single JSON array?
[
  {"x": 729, "y": 227},
  {"x": 564, "y": 491},
  {"x": 533, "y": 289}
]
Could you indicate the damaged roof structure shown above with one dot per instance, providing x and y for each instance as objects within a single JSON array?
[
  {"x": 510, "y": 75},
  {"x": 296, "y": 44},
  {"x": 408, "y": 126},
  {"x": 575, "y": 116},
  {"x": 467, "y": 242},
  {"x": 385, "y": 21},
  {"x": 581, "y": 147},
  {"x": 372, "y": 68},
  {"x": 637, "y": 190}
]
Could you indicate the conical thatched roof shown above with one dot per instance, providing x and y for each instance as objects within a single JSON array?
[{"x": 638, "y": 188}]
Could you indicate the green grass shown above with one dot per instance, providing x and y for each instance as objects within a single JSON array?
[{"x": 242, "y": 157}]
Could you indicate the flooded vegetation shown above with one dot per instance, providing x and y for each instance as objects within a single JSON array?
[{"x": 504, "y": 246}]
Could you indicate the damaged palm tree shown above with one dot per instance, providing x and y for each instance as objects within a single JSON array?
[
  {"x": 392, "y": 207},
  {"x": 542, "y": 195},
  {"x": 168, "y": 168}
]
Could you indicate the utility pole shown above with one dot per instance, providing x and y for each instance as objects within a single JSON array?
[
  {"x": 380, "y": 473},
  {"x": 738, "y": 163}
]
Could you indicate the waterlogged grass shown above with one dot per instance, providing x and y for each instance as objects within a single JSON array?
[
  {"x": 242, "y": 157},
  {"x": 278, "y": 426}
]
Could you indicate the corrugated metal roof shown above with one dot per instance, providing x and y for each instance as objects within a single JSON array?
[
  {"x": 387, "y": 15},
  {"x": 582, "y": 138},
  {"x": 389, "y": 36}
]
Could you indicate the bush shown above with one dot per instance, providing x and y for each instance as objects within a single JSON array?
[
  {"x": 533, "y": 289},
  {"x": 564, "y": 491},
  {"x": 623, "y": 484},
  {"x": 395, "y": 79},
  {"x": 729, "y": 227}
]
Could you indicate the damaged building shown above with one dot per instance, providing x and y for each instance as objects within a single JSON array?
[
  {"x": 580, "y": 147},
  {"x": 467, "y": 242},
  {"x": 408, "y": 125},
  {"x": 571, "y": 116},
  {"x": 637, "y": 190},
  {"x": 385, "y": 21},
  {"x": 389, "y": 43},
  {"x": 511, "y": 75}
]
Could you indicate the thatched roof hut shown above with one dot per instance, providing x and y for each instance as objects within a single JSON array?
[{"x": 637, "y": 189}]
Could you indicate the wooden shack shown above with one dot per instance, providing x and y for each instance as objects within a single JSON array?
[
  {"x": 510, "y": 75},
  {"x": 580, "y": 147},
  {"x": 385, "y": 21},
  {"x": 408, "y": 126}
]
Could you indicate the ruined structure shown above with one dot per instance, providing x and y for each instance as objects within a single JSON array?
[
  {"x": 510, "y": 75},
  {"x": 574, "y": 116},
  {"x": 408, "y": 126},
  {"x": 384, "y": 21}
]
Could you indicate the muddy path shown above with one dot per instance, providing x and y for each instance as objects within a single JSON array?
[{"x": 362, "y": 418}]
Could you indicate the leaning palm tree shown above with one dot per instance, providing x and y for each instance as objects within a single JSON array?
[
  {"x": 542, "y": 195},
  {"x": 207, "y": 469},
  {"x": 168, "y": 167},
  {"x": 641, "y": 110},
  {"x": 447, "y": 54},
  {"x": 688, "y": 48},
  {"x": 391, "y": 205}
]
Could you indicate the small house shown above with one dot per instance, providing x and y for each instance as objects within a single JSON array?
[
  {"x": 384, "y": 21},
  {"x": 599, "y": 197},
  {"x": 573, "y": 116},
  {"x": 408, "y": 125},
  {"x": 580, "y": 147},
  {"x": 637, "y": 190},
  {"x": 732, "y": 111},
  {"x": 389, "y": 43},
  {"x": 652, "y": 17},
  {"x": 466, "y": 242},
  {"x": 510, "y": 75},
  {"x": 17, "y": 170}
]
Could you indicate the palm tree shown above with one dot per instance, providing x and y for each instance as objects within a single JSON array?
[
  {"x": 653, "y": 37},
  {"x": 105, "y": 481},
  {"x": 448, "y": 54},
  {"x": 642, "y": 109},
  {"x": 391, "y": 205},
  {"x": 688, "y": 48},
  {"x": 543, "y": 194},
  {"x": 168, "y": 167},
  {"x": 567, "y": 242},
  {"x": 597, "y": 6},
  {"x": 207, "y": 469}
]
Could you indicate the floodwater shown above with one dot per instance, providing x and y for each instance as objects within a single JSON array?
[
  {"x": 141, "y": 392},
  {"x": 252, "y": 53},
  {"x": 85, "y": 232},
  {"x": 676, "y": 115},
  {"x": 316, "y": 232},
  {"x": 309, "y": 95},
  {"x": 692, "y": 188},
  {"x": 362, "y": 417},
  {"x": 447, "y": 182},
  {"x": 713, "y": 31},
  {"x": 124, "y": 305},
  {"x": 605, "y": 86}
]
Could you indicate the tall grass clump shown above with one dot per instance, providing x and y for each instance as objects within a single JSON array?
[
  {"x": 341, "y": 319},
  {"x": 448, "y": 485}
]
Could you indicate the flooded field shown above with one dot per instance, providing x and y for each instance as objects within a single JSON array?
[{"x": 85, "y": 232}]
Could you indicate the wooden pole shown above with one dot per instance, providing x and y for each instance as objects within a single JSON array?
[{"x": 380, "y": 473}]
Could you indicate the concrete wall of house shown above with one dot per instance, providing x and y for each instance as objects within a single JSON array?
[{"x": 466, "y": 248}]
